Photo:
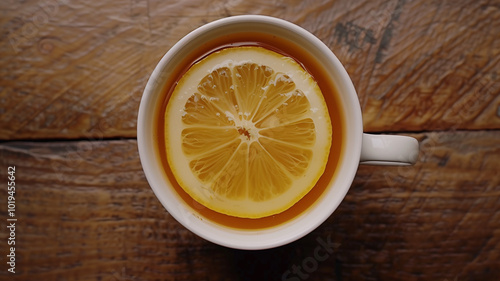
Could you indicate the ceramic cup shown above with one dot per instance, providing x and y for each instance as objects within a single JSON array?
[{"x": 359, "y": 147}]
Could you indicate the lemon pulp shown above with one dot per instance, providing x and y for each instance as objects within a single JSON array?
[{"x": 247, "y": 132}]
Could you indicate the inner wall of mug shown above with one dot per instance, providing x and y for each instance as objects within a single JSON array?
[{"x": 349, "y": 159}]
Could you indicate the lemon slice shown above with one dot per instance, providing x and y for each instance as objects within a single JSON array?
[{"x": 247, "y": 132}]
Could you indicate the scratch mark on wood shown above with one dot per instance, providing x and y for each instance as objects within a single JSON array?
[
  {"x": 387, "y": 35},
  {"x": 444, "y": 160},
  {"x": 354, "y": 35}
]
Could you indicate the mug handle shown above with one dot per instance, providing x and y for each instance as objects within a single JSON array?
[{"x": 388, "y": 150}]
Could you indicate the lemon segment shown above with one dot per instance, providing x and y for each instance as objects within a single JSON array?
[{"x": 247, "y": 132}]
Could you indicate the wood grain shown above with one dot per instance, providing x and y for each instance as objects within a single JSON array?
[
  {"x": 71, "y": 78},
  {"x": 422, "y": 65},
  {"x": 76, "y": 70},
  {"x": 86, "y": 212}
]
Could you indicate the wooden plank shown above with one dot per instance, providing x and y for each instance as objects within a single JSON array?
[
  {"x": 85, "y": 212},
  {"x": 433, "y": 221},
  {"x": 421, "y": 65},
  {"x": 77, "y": 70}
]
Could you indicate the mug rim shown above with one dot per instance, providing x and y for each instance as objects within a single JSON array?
[{"x": 262, "y": 238}]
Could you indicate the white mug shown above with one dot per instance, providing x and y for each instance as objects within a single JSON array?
[{"x": 359, "y": 147}]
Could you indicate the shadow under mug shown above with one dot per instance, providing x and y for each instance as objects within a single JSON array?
[{"x": 359, "y": 147}]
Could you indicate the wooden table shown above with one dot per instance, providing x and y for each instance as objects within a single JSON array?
[{"x": 72, "y": 75}]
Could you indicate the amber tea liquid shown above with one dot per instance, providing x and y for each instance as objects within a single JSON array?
[{"x": 329, "y": 91}]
